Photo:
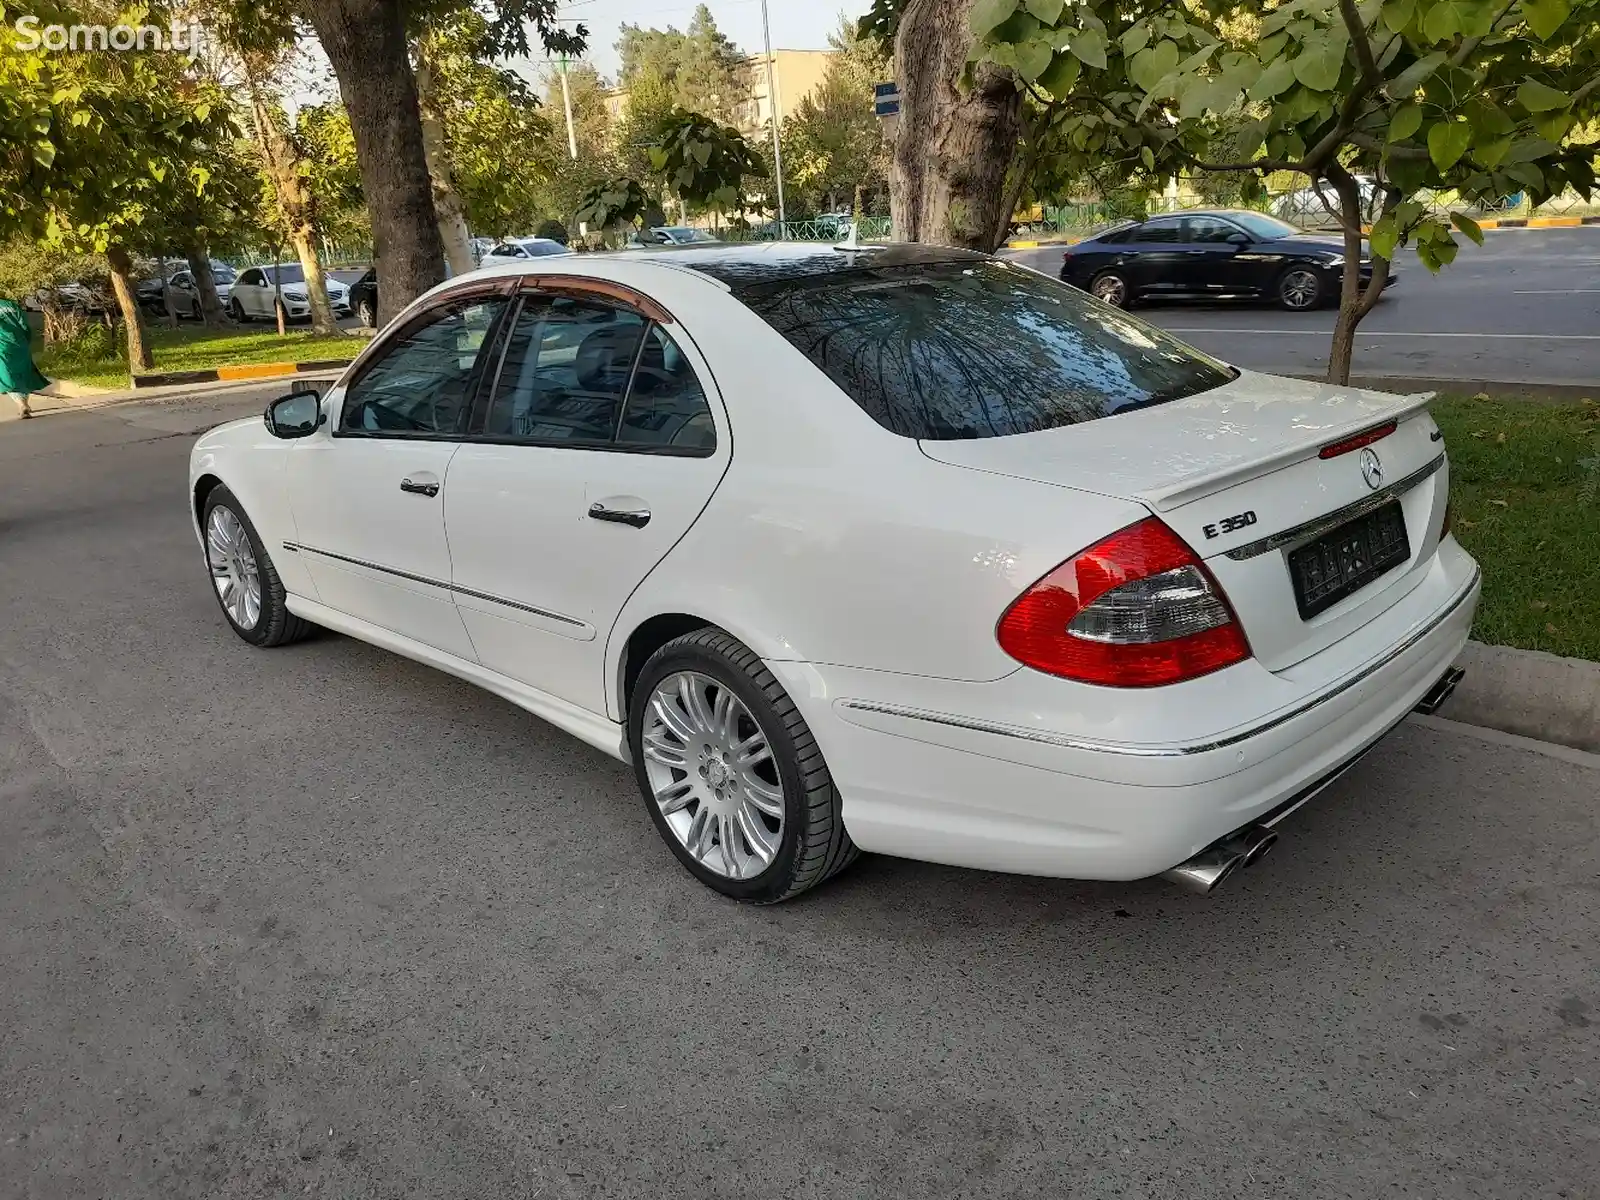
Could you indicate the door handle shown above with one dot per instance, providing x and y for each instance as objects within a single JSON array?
[
  {"x": 429, "y": 490},
  {"x": 638, "y": 518}
]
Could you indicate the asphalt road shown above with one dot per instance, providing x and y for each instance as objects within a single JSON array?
[
  {"x": 321, "y": 922},
  {"x": 1523, "y": 308}
]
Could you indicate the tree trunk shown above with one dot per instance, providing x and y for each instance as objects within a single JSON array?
[
  {"x": 139, "y": 357},
  {"x": 447, "y": 203},
  {"x": 951, "y": 149},
  {"x": 297, "y": 205},
  {"x": 365, "y": 40},
  {"x": 1354, "y": 303},
  {"x": 304, "y": 240},
  {"x": 198, "y": 256}
]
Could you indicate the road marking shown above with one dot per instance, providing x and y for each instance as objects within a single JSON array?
[
  {"x": 1557, "y": 292},
  {"x": 1361, "y": 333}
]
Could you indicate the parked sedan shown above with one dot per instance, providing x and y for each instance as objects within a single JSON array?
[
  {"x": 522, "y": 250},
  {"x": 1223, "y": 255},
  {"x": 152, "y": 296},
  {"x": 364, "y": 298},
  {"x": 908, "y": 550},
  {"x": 257, "y": 290}
]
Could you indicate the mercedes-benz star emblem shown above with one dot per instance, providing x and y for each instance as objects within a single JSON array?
[{"x": 1371, "y": 469}]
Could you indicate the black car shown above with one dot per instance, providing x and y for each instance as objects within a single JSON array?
[
  {"x": 1219, "y": 255},
  {"x": 364, "y": 297}
]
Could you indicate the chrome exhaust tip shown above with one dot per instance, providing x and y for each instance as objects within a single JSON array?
[
  {"x": 1202, "y": 873},
  {"x": 1441, "y": 691}
]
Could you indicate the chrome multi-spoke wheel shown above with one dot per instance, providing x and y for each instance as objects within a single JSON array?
[
  {"x": 712, "y": 773},
  {"x": 1300, "y": 288},
  {"x": 234, "y": 571}
]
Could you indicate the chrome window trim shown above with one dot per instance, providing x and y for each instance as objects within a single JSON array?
[
  {"x": 298, "y": 548},
  {"x": 1311, "y": 530},
  {"x": 1075, "y": 743}
]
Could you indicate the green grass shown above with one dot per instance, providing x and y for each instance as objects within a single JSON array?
[
  {"x": 191, "y": 348},
  {"x": 1525, "y": 483}
]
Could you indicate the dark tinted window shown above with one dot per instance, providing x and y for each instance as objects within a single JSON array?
[
  {"x": 666, "y": 405},
  {"x": 222, "y": 274},
  {"x": 543, "y": 249},
  {"x": 288, "y": 273},
  {"x": 565, "y": 371},
  {"x": 979, "y": 349},
  {"x": 1207, "y": 229},
  {"x": 251, "y": 278},
  {"x": 425, "y": 380},
  {"x": 1158, "y": 231}
]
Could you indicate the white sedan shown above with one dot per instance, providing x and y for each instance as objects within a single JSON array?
[
  {"x": 521, "y": 251},
  {"x": 907, "y": 550},
  {"x": 258, "y": 291}
]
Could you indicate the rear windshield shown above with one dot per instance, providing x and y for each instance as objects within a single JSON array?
[{"x": 947, "y": 351}]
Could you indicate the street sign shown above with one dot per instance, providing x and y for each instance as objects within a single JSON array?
[{"x": 886, "y": 99}]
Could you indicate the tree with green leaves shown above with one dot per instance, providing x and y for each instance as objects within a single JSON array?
[
  {"x": 98, "y": 150},
  {"x": 705, "y": 164},
  {"x": 701, "y": 69},
  {"x": 1463, "y": 101}
]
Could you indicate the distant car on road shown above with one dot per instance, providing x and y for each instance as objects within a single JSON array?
[
  {"x": 1224, "y": 254},
  {"x": 364, "y": 298},
  {"x": 522, "y": 250},
  {"x": 669, "y": 235},
  {"x": 151, "y": 294},
  {"x": 255, "y": 294}
]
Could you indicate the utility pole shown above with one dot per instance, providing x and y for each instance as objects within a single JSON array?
[
  {"x": 772, "y": 103},
  {"x": 566, "y": 103}
]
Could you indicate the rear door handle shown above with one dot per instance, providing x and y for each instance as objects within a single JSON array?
[
  {"x": 427, "y": 489},
  {"x": 638, "y": 517}
]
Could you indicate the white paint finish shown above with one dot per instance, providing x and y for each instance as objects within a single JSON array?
[
  {"x": 517, "y": 519},
  {"x": 862, "y": 567},
  {"x": 346, "y": 498}
]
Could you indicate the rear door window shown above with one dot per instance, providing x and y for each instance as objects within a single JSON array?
[
  {"x": 967, "y": 349},
  {"x": 1159, "y": 232}
]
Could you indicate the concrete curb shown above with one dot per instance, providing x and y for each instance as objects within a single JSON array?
[
  {"x": 1529, "y": 693},
  {"x": 238, "y": 374}
]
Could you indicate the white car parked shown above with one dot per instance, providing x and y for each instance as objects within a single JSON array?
[
  {"x": 256, "y": 291},
  {"x": 520, "y": 251},
  {"x": 909, "y": 550}
]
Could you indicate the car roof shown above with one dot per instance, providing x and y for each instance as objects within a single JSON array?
[{"x": 744, "y": 265}]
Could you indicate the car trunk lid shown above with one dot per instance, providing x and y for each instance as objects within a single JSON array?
[{"x": 1236, "y": 473}]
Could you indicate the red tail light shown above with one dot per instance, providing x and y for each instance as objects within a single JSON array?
[
  {"x": 1138, "y": 609},
  {"x": 1364, "y": 438}
]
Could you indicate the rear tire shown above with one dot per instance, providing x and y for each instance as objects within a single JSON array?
[
  {"x": 222, "y": 523},
  {"x": 366, "y": 314},
  {"x": 1112, "y": 288},
  {"x": 809, "y": 845}
]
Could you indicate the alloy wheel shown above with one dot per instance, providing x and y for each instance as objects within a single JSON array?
[
  {"x": 1300, "y": 288},
  {"x": 712, "y": 773},
  {"x": 1111, "y": 289},
  {"x": 234, "y": 570}
]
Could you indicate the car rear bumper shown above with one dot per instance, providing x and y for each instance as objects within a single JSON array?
[{"x": 970, "y": 785}]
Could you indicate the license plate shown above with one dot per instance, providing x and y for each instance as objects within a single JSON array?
[{"x": 1344, "y": 561}]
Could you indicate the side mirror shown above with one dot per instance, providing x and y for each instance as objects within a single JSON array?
[
  {"x": 297, "y": 415},
  {"x": 1238, "y": 238}
]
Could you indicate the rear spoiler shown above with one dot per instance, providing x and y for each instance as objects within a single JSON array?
[{"x": 1195, "y": 487}]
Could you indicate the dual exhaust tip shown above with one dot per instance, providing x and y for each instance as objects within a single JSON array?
[{"x": 1216, "y": 862}]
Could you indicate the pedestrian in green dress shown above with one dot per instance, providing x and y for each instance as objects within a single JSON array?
[{"x": 18, "y": 375}]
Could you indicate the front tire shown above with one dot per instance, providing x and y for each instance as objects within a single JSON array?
[
  {"x": 366, "y": 314},
  {"x": 730, "y": 773},
  {"x": 1300, "y": 288},
  {"x": 245, "y": 582},
  {"x": 236, "y": 311}
]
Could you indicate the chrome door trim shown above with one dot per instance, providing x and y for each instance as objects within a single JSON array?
[
  {"x": 1075, "y": 743},
  {"x": 299, "y": 548},
  {"x": 1311, "y": 530}
]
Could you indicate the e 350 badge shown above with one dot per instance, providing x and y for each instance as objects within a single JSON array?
[{"x": 1230, "y": 524}]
